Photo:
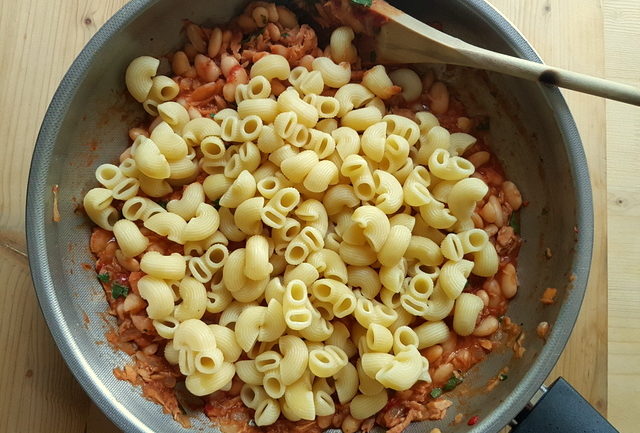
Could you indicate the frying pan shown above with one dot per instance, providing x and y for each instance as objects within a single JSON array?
[{"x": 532, "y": 133}]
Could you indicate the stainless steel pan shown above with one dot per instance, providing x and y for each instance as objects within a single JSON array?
[{"x": 533, "y": 134}]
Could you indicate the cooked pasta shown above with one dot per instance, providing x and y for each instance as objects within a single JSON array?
[{"x": 289, "y": 237}]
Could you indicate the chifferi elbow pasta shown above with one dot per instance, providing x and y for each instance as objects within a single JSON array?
[{"x": 299, "y": 228}]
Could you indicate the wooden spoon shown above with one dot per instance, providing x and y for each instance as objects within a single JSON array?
[{"x": 404, "y": 39}]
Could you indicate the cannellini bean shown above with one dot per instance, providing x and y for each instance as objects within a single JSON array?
[
  {"x": 190, "y": 51},
  {"x": 350, "y": 424},
  {"x": 180, "y": 63},
  {"x": 150, "y": 349},
  {"x": 246, "y": 23},
  {"x": 110, "y": 249},
  {"x": 324, "y": 422},
  {"x": 227, "y": 63},
  {"x": 206, "y": 68},
  {"x": 306, "y": 61},
  {"x": 286, "y": 17},
  {"x": 99, "y": 240},
  {"x": 273, "y": 31},
  {"x": 486, "y": 327},
  {"x": 508, "y": 281},
  {"x": 129, "y": 263},
  {"x": 133, "y": 303},
  {"x": 439, "y": 95},
  {"x": 464, "y": 123},
  {"x": 261, "y": 16},
  {"x": 482, "y": 294},
  {"x": 512, "y": 195},
  {"x": 433, "y": 353},
  {"x": 442, "y": 373},
  {"x": 477, "y": 220},
  {"x": 492, "y": 212},
  {"x": 492, "y": 288},
  {"x": 215, "y": 42},
  {"x": 196, "y": 37},
  {"x": 428, "y": 79},
  {"x": 491, "y": 229},
  {"x": 479, "y": 158}
]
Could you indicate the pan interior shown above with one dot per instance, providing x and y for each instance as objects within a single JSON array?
[{"x": 87, "y": 123}]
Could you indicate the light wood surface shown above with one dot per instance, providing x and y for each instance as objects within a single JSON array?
[{"x": 38, "y": 41}]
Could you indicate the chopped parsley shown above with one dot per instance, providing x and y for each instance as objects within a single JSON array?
[
  {"x": 252, "y": 35},
  {"x": 503, "y": 377},
  {"x": 118, "y": 291},
  {"x": 514, "y": 221},
  {"x": 284, "y": 35},
  {"x": 452, "y": 383},
  {"x": 216, "y": 204},
  {"x": 163, "y": 203},
  {"x": 365, "y": 3},
  {"x": 436, "y": 392},
  {"x": 104, "y": 278},
  {"x": 212, "y": 115}
]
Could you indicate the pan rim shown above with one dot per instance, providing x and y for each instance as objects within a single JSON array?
[{"x": 118, "y": 413}]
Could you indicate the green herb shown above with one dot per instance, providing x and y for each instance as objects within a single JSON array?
[
  {"x": 216, "y": 204},
  {"x": 503, "y": 377},
  {"x": 452, "y": 383},
  {"x": 163, "y": 203},
  {"x": 284, "y": 35},
  {"x": 118, "y": 291},
  {"x": 514, "y": 221},
  {"x": 436, "y": 392},
  {"x": 365, "y": 3},
  {"x": 252, "y": 35},
  {"x": 373, "y": 56},
  {"x": 212, "y": 115},
  {"x": 104, "y": 277}
]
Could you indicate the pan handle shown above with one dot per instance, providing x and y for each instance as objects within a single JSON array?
[{"x": 560, "y": 409}]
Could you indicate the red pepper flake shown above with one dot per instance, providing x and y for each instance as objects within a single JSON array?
[{"x": 473, "y": 420}]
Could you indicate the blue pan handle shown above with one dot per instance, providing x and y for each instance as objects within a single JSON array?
[{"x": 561, "y": 409}]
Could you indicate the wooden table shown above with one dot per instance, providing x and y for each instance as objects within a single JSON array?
[{"x": 38, "y": 41}]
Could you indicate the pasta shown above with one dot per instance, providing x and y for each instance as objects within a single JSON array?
[{"x": 289, "y": 231}]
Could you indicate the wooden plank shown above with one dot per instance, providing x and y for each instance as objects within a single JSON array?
[
  {"x": 38, "y": 41},
  {"x": 38, "y": 392},
  {"x": 622, "y": 62},
  {"x": 569, "y": 34}
]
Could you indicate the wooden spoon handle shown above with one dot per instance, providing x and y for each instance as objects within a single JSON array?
[
  {"x": 404, "y": 39},
  {"x": 492, "y": 61}
]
